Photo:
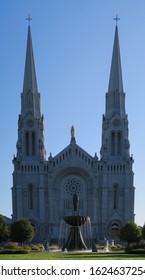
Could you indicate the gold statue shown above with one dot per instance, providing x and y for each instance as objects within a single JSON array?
[{"x": 72, "y": 132}]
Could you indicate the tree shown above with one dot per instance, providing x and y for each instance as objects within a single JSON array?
[
  {"x": 130, "y": 233},
  {"x": 4, "y": 230},
  {"x": 22, "y": 230},
  {"x": 143, "y": 231}
]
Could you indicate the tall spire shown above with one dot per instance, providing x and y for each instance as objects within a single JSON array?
[
  {"x": 115, "y": 82},
  {"x": 30, "y": 145},
  {"x": 115, "y": 97},
  {"x": 30, "y": 81},
  {"x": 30, "y": 95},
  {"x": 115, "y": 141}
]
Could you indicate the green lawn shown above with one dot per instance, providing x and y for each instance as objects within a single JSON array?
[{"x": 72, "y": 256}]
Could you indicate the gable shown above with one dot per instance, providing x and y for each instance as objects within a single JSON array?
[{"x": 73, "y": 155}]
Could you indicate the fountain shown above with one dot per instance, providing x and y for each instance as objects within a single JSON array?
[
  {"x": 106, "y": 249},
  {"x": 75, "y": 240}
]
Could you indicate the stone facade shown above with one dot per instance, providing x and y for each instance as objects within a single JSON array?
[{"x": 42, "y": 189}]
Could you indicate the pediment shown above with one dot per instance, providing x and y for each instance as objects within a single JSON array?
[{"x": 72, "y": 154}]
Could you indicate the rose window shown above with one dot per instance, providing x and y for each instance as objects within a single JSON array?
[{"x": 73, "y": 185}]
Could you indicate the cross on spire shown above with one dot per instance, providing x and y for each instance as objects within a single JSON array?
[
  {"x": 29, "y": 19},
  {"x": 116, "y": 19}
]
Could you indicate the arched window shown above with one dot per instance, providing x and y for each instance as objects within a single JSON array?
[
  {"x": 33, "y": 144},
  {"x": 30, "y": 196},
  {"x": 116, "y": 143},
  {"x": 119, "y": 143},
  {"x": 27, "y": 144},
  {"x": 115, "y": 196},
  {"x": 113, "y": 143}
]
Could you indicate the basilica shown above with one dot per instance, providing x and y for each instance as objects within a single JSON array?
[{"x": 43, "y": 187}]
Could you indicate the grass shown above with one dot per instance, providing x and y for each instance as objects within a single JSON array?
[{"x": 73, "y": 256}]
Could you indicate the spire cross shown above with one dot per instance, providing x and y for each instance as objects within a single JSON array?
[
  {"x": 29, "y": 19},
  {"x": 116, "y": 19}
]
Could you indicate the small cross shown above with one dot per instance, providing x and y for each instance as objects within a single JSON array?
[
  {"x": 116, "y": 19},
  {"x": 29, "y": 19}
]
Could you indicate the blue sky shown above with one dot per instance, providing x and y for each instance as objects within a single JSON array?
[{"x": 72, "y": 41}]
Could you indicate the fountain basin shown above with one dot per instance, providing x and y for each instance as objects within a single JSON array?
[{"x": 75, "y": 221}]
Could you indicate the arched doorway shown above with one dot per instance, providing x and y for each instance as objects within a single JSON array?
[{"x": 115, "y": 230}]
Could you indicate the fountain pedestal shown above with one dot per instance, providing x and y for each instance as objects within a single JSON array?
[{"x": 75, "y": 239}]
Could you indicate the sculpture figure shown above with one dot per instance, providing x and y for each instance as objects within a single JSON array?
[
  {"x": 72, "y": 132},
  {"x": 75, "y": 201}
]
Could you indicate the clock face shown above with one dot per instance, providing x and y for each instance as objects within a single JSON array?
[
  {"x": 30, "y": 123},
  {"x": 116, "y": 122}
]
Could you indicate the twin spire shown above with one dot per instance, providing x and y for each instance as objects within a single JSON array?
[{"x": 30, "y": 81}]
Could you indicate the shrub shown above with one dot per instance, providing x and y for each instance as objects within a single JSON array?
[
  {"x": 25, "y": 247},
  {"x": 11, "y": 245},
  {"x": 37, "y": 247},
  {"x": 135, "y": 251},
  {"x": 54, "y": 247},
  {"x": 34, "y": 248},
  {"x": 41, "y": 247},
  {"x": 12, "y": 251},
  {"x": 22, "y": 251},
  {"x": 116, "y": 247},
  {"x": 113, "y": 248},
  {"x": 100, "y": 247}
]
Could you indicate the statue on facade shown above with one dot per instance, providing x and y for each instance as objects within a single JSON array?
[
  {"x": 75, "y": 201},
  {"x": 72, "y": 132}
]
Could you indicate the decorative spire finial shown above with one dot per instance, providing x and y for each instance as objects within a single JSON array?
[
  {"x": 72, "y": 132},
  {"x": 29, "y": 19},
  {"x": 116, "y": 19}
]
